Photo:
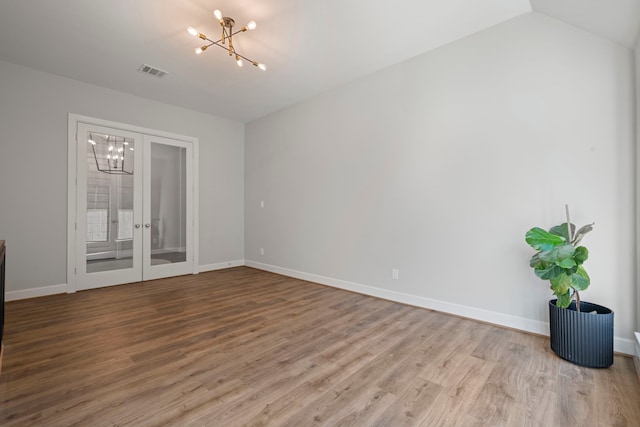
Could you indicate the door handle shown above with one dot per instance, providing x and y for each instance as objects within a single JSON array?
[
  {"x": 137, "y": 225},
  {"x": 147, "y": 225}
]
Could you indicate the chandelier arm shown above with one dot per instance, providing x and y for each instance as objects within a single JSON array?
[
  {"x": 243, "y": 57},
  {"x": 233, "y": 34},
  {"x": 220, "y": 40},
  {"x": 234, "y": 52},
  {"x": 218, "y": 43},
  {"x": 226, "y": 33}
]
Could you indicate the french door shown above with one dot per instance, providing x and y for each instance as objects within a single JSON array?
[{"x": 133, "y": 207}]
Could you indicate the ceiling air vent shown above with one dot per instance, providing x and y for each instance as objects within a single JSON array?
[{"x": 152, "y": 71}]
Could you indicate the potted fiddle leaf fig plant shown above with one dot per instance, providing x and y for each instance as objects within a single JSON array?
[{"x": 581, "y": 332}]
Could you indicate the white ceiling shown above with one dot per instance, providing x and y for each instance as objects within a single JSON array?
[
  {"x": 616, "y": 20},
  {"x": 309, "y": 46}
]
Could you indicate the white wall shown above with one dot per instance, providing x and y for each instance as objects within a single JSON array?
[
  {"x": 34, "y": 108},
  {"x": 437, "y": 167}
]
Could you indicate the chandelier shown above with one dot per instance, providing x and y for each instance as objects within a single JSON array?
[
  {"x": 227, "y": 37},
  {"x": 110, "y": 154}
]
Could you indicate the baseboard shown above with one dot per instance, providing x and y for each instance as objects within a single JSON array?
[
  {"x": 36, "y": 292},
  {"x": 623, "y": 346},
  {"x": 620, "y": 345},
  {"x": 636, "y": 358},
  {"x": 221, "y": 265}
]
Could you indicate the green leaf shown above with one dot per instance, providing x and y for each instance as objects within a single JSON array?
[
  {"x": 564, "y": 300},
  {"x": 549, "y": 271},
  {"x": 542, "y": 240},
  {"x": 561, "y": 284},
  {"x": 559, "y": 255},
  {"x": 580, "y": 279},
  {"x": 581, "y": 255},
  {"x": 567, "y": 263},
  {"x": 561, "y": 230},
  {"x": 536, "y": 261}
]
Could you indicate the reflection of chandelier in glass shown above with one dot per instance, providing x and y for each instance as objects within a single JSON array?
[{"x": 110, "y": 153}]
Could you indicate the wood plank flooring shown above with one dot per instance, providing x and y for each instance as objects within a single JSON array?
[{"x": 243, "y": 347}]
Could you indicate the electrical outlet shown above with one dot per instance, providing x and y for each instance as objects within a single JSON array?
[
  {"x": 261, "y": 251},
  {"x": 262, "y": 203},
  {"x": 395, "y": 274}
]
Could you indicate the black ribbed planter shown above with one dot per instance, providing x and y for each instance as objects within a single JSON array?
[{"x": 584, "y": 338}]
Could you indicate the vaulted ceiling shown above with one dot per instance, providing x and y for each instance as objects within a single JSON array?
[{"x": 308, "y": 46}]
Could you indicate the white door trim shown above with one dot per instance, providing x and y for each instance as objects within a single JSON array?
[{"x": 72, "y": 154}]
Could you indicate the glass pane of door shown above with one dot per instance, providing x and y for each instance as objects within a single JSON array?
[
  {"x": 109, "y": 207},
  {"x": 168, "y": 208},
  {"x": 109, "y": 235},
  {"x": 167, "y": 218}
]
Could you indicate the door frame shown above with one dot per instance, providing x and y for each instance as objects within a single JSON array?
[{"x": 72, "y": 162}]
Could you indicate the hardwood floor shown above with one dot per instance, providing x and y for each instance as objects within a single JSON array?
[{"x": 245, "y": 347}]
